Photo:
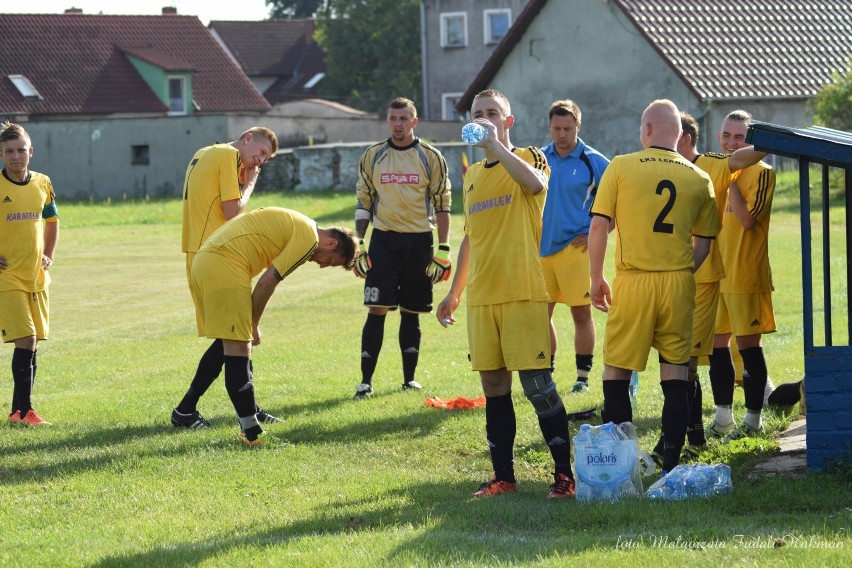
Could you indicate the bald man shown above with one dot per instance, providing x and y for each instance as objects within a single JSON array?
[{"x": 665, "y": 213}]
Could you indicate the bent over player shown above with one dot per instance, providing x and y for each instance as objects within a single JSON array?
[
  {"x": 218, "y": 184},
  {"x": 499, "y": 264},
  {"x": 228, "y": 310},
  {"x": 665, "y": 215},
  {"x": 29, "y": 231},
  {"x": 404, "y": 190}
]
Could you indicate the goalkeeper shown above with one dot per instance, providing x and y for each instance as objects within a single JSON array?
[{"x": 404, "y": 190}]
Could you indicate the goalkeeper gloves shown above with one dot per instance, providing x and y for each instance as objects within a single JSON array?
[
  {"x": 362, "y": 261},
  {"x": 441, "y": 267}
]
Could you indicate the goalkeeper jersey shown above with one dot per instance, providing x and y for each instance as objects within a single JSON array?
[
  {"x": 403, "y": 188},
  {"x": 24, "y": 208},
  {"x": 503, "y": 227}
]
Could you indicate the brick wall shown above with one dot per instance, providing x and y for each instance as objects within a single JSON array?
[{"x": 828, "y": 395}]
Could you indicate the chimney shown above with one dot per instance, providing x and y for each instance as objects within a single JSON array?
[
  {"x": 169, "y": 11},
  {"x": 73, "y": 10}
]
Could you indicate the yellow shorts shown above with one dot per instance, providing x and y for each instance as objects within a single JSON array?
[
  {"x": 649, "y": 309},
  {"x": 566, "y": 274},
  {"x": 704, "y": 318},
  {"x": 745, "y": 314},
  {"x": 514, "y": 336},
  {"x": 222, "y": 295},
  {"x": 23, "y": 314}
]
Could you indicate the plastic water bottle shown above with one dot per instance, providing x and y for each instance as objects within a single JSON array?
[
  {"x": 693, "y": 480},
  {"x": 474, "y": 133},
  {"x": 633, "y": 389}
]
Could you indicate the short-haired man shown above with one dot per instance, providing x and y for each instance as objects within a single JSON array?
[
  {"x": 745, "y": 307},
  {"x": 575, "y": 172},
  {"x": 218, "y": 184},
  {"x": 29, "y": 231},
  {"x": 404, "y": 190},
  {"x": 507, "y": 298},
  {"x": 665, "y": 214},
  {"x": 271, "y": 240}
]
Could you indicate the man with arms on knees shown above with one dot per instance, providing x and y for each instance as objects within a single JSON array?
[
  {"x": 404, "y": 189},
  {"x": 499, "y": 264},
  {"x": 722, "y": 169},
  {"x": 29, "y": 231},
  {"x": 745, "y": 307},
  {"x": 575, "y": 172},
  {"x": 219, "y": 182},
  {"x": 665, "y": 214},
  {"x": 228, "y": 310}
]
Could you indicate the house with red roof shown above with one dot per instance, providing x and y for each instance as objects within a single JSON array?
[
  {"x": 117, "y": 105},
  {"x": 769, "y": 57}
]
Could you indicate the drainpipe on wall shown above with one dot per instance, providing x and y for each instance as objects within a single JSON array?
[{"x": 423, "y": 59}]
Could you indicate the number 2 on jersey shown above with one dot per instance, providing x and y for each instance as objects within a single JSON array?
[{"x": 660, "y": 226}]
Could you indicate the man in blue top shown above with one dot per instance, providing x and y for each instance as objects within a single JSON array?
[{"x": 575, "y": 170}]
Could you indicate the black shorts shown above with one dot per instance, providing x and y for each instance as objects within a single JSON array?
[{"x": 397, "y": 276}]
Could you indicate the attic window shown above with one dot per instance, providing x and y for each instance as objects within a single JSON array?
[
  {"x": 27, "y": 90},
  {"x": 177, "y": 98},
  {"x": 314, "y": 80}
]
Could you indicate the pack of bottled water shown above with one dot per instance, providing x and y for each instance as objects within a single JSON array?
[
  {"x": 692, "y": 480},
  {"x": 606, "y": 461}
]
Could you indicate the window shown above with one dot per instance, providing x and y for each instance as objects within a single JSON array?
[
  {"x": 454, "y": 29},
  {"x": 496, "y": 24},
  {"x": 177, "y": 100},
  {"x": 140, "y": 155},
  {"x": 448, "y": 106},
  {"x": 25, "y": 87}
]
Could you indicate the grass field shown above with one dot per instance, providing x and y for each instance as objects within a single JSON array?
[{"x": 383, "y": 482}]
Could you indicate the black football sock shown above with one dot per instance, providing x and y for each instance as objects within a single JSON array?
[
  {"x": 617, "y": 407},
  {"x": 209, "y": 369},
  {"x": 22, "y": 375},
  {"x": 754, "y": 382},
  {"x": 554, "y": 428},
  {"x": 787, "y": 394},
  {"x": 722, "y": 376},
  {"x": 241, "y": 392},
  {"x": 372, "y": 337},
  {"x": 695, "y": 427},
  {"x": 409, "y": 344},
  {"x": 500, "y": 428},
  {"x": 675, "y": 418},
  {"x": 584, "y": 366}
]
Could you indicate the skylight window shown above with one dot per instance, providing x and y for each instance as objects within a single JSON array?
[{"x": 27, "y": 90}]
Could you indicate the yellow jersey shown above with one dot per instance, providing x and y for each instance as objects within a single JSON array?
[
  {"x": 718, "y": 168},
  {"x": 212, "y": 177},
  {"x": 503, "y": 227}
]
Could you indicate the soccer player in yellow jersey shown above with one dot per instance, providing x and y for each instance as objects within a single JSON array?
[
  {"x": 219, "y": 182},
  {"x": 665, "y": 215},
  {"x": 29, "y": 231},
  {"x": 269, "y": 239},
  {"x": 722, "y": 169},
  {"x": 508, "y": 323},
  {"x": 745, "y": 308},
  {"x": 404, "y": 191}
]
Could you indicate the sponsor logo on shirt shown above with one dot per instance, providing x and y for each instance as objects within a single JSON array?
[
  {"x": 26, "y": 216},
  {"x": 501, "y": 201},
  {"x": 401, "y": 179}
]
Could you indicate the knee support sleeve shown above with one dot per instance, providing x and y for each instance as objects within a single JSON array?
[{"x": 540, "y": 390}]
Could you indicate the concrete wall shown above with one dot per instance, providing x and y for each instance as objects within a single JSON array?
[{"x": 589, "y": 52}]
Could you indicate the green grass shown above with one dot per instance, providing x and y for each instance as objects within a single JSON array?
[{"x": 383, "y": 482}]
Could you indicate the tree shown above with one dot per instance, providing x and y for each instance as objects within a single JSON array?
[
  {"x": 372, "y": 47},
  {"x": 832, "y": 105},
  {"x": 292, "y": 9}
]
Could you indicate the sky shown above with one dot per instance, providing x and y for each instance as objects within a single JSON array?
[{"x": 206, "y": 10}]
